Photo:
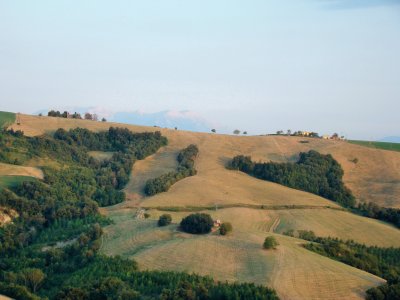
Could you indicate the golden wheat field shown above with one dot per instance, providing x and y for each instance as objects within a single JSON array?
[{"x": 293, "y": 271}]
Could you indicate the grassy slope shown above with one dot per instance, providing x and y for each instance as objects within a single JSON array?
[
  {"x": 6, "y": 118},
  {"x": 378, "y": 145},
  {"x": 293, "y": 271},
  {"x": 8, "y": 169}
]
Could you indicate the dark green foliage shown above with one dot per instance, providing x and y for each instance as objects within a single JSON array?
[
  {"x": 314, "y": 172},
  {"x": 225, "y": 228},
  {"x": 372, "y": 210},
  {"x": 384, "y": 292},
  {"x": 197, "y": 223},
  {"x": 185, "y": 169},
  {"x": 270, "y": 243},
  {"x": 164, "y": 220}
]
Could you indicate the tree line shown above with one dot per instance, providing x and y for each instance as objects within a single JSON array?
[
  {"x": 185, "y": 158},
  {"x": 313, "y": 172}
]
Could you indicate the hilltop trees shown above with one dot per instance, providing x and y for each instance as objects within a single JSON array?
[
  {"x": 199, "y": 223},
  {"x": 236, "y": 131}
]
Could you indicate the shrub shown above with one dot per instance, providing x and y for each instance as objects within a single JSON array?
[
  {"x": 270, "y": 243},
  {"x": 197, "y": 223},
  {"x": 146, "y": 215},
  {"x": 164, "y": 220},
  {"x": 225, "y": 228}
]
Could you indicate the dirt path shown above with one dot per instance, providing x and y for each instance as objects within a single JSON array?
[{"x": 275, "y": 225}]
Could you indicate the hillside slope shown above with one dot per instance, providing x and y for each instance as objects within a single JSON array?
[
  {"x": 293, "y": 271},
  {"x": 375, "y": 177}
]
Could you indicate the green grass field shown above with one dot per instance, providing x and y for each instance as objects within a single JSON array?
[
  {"x": 378, "y": 145},
  {"x": 6, "y": 118},
  {"x": 11, "y": 181}
]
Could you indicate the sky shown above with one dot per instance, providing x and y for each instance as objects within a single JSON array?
[{"x": 259, "y": 65}]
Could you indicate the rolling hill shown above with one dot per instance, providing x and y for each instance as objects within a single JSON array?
[{"x": 293, "y": 271}]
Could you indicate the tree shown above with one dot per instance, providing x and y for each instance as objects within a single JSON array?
[
  {"x": 279, "y": 132},
  {"x": 33, "y": 278},
  {"x": 244, "y": 132},
  {"x": 95, "y": 117},
  {"x": 236, "y": 131},
  {"x": 197, "y": 223},
  {"x": 225, "y": 228},
  {"x": 164, "y": 220},
  {"x": 270, "y": 243},
  {"x": 213, "y": 130},
  {"x": 88, "y": 116},
  {"x": 103, "y": 120},
  {"x": 289, "y": 132}
]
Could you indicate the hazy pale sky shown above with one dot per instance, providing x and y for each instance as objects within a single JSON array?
[{"x": 259, "y": 65}]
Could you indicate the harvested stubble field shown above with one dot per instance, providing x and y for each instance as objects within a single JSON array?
[{"x": 293, "y": 271}]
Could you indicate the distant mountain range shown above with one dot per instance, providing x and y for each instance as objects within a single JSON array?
[{"x": 391, "y": 139}]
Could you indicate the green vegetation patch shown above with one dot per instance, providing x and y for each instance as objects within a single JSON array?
[
  {"x": 6, "y": 119},
  {"x": 13, "y": 181},
  {"x": 378, "y": 145},
  {"x": 314, "y": 172}
]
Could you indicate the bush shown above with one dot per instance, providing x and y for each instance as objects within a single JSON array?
[
  {"x": 146, "y": 215},
  {"x": 225, "y": 228},
  {"x": 164, "y": 220},
  {"x": 270, "y": 243},
  {"x": 197, "y": 223}
]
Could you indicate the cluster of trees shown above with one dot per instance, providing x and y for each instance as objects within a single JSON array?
[
  {"x": 298, "y": 133},
  {"x": 383, "y": 262},
  {"x": 313, "y": 172},
  {"x": 198, "y": 223},
  {"x": 186, "y": 158},
  {"x": 66, "y": 114}
]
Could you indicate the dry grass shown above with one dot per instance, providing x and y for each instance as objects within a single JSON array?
[
  {"x": 7, "y": 215},
  {"x": 374, "y": 178},
  {"x": 101, "y": 155},
  {"x": 293, "y": 271},
  {"x": 14, "y": 170}
]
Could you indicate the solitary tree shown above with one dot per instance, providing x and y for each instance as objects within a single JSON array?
[
  {"x": 225, "y": 228},
  {"x": 103, "y": 120},
  {"x": 213, "y": 130},
  {"x": 164, "y": 220},
  {"x": 270, "y": 243},
  {"x": 88, "y": 116},
  {"x": 236, "y": 131},
  {"x": 245, "y": 132}
]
